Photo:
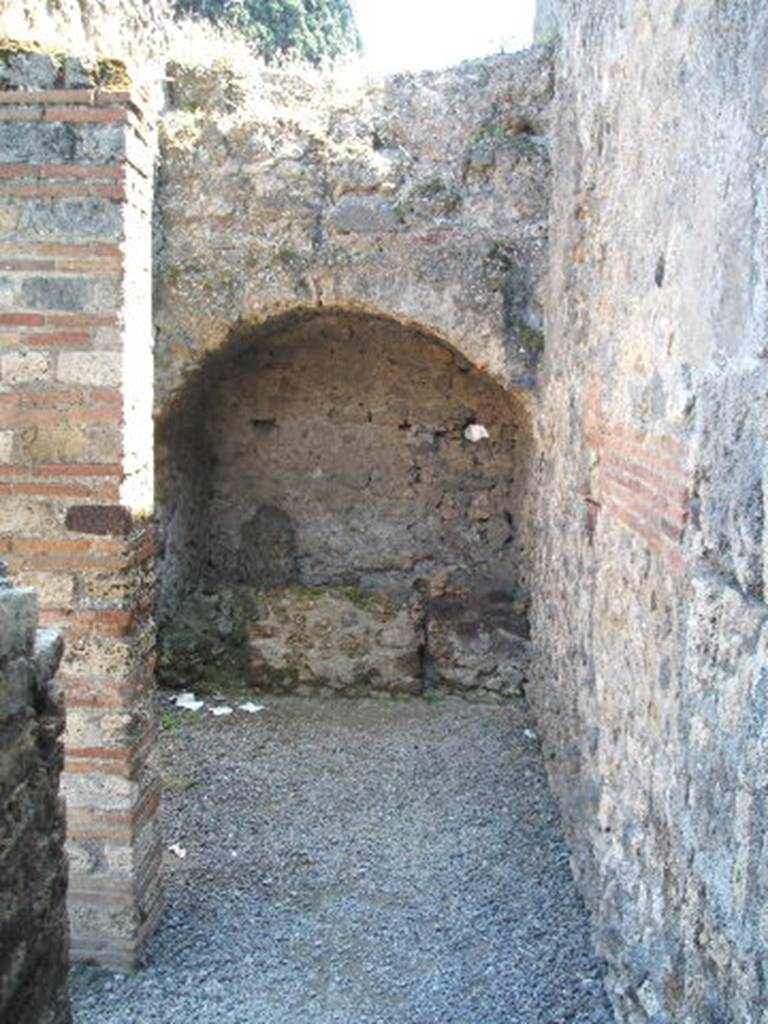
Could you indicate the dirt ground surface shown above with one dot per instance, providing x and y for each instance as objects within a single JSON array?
[{"x": 358, "y": 862}]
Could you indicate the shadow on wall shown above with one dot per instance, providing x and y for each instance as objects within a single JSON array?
[{"x": 343, "y": 502}]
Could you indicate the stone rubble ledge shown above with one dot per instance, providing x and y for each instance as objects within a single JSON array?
[{"x": 33, "y": 868}]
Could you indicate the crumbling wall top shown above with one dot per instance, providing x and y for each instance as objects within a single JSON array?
[
  {"x": 422, "y": 197},
  {"x": 132, "y": 31}
]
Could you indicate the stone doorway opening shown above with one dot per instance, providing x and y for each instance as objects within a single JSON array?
[{"x": 343, "y": 501}]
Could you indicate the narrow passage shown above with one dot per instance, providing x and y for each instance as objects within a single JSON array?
[{"x": 359, "y": 862}]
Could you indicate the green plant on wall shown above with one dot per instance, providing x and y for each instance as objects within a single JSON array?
[
  {"x": 312, "y": 30},
  {"x": 433, "y": 196},
  {"x": 498, "y": 129},
  {"x": 204, "y": 646}
]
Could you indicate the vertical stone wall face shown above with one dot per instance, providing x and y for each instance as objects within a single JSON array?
[
  {"x": 33, "y": 872},
  {"x": 418, "y": 203},
  {"x": 353, "y": 431},
  {"x": 325, "y": 477},
  {"x": 649, "y": 619},
  {"x": 422, "y": 197},
  {"x": 75, "y": 458}
]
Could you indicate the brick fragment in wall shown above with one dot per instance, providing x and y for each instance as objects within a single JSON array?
[{"x": 100, "y": 519}]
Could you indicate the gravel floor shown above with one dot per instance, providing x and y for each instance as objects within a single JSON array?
[{"x": 359, "y": 862}]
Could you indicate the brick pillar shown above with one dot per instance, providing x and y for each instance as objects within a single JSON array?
[{"x": 76, "y": 469}]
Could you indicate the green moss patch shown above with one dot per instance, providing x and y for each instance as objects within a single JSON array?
[
  {"x": 433, "y": 197},
  {"x": 110, "y": 73},
  {"x": 204, "y": 646}
]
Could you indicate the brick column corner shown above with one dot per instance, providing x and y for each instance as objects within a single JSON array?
[{"x": 76, "y": 467}]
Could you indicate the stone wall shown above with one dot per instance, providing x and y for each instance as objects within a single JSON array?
[
  {"x": 419, "y": 197},
  {"x": 33, "y": 872},
  {"x": 76, "y": 456},
  {"x": 94, "y": 31},
  {"x": 649, "y": 615},
  {"x": 352, "y": 431},
  {"x": 424, "y": 199},
  {"x": 349, "y": 455},
  {"x": 349, "y": 275}
]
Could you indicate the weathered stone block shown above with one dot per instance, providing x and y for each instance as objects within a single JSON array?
[
  {"x": 338, "y": 639},
  {"x": 98, "y": 728},
  {"x": 86, "y": 218},
  {"x": 23, "y": 368},
  {"x": 477, "y": 645},
  {"x": 55, "y": 443},
  {"x": 28, "y": 70},
  {"x": 99, "y": 655},
  {"x": 101, "y": 369},
  {"x": 30, "y": 515},
  {"x": 54, "y": 293},
  {"x": 18, "y": 621},
  {"x": 35, "y": 143},
  {"x": 363, "y": 214},
  {"x": 6, "y": 445},
  {"x": 99, "y": 792}
]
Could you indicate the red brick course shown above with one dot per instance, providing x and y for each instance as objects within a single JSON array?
[
  {"x": 53, "y": 190},
  {"x": 643, "y": 481},
  {"x": 47, "y": 172}
]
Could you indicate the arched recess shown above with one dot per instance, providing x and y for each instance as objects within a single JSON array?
[{"x": 343, "y": 501}]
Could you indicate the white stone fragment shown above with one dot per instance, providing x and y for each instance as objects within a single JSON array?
[
  {"x": 188, "y": 701},
  {"x": 475, "y": 432},
  {"x": 251, "y": 708},
  {"x": 178, "y": 850},
  {"x": 223, "y": 709}
]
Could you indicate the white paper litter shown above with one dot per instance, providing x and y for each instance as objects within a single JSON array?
[
  {"x": 530, "y": 734},
  {"x": 180, "y": 852},
  {"x": 251, "y": 708},
  {"x": 188, "y": 701},
  {"x": 476, "y": 432},
  {"x": 223, "y": 709}
]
